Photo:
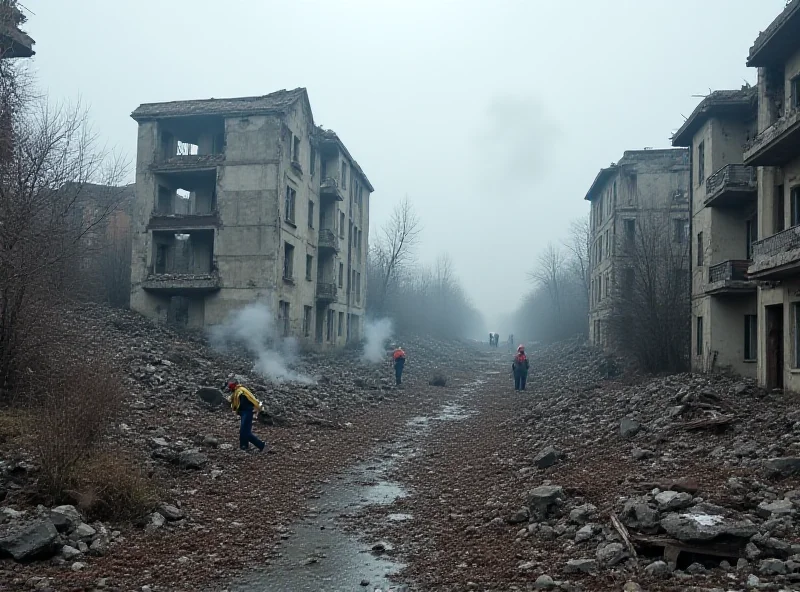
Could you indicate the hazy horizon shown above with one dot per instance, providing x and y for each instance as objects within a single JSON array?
[{"x": 492, "y": 119}]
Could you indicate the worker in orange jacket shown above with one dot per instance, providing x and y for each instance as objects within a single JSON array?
[{"x": 399, "y": 361}]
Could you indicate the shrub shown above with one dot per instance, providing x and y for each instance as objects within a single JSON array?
[
  {"x": 113, "y": 487},
  {"x": 74, "y": 405}
]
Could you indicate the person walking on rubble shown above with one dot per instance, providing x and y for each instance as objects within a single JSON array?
[
  {"x": 520, "y": 367},
  {"x": 491, "y": 339},
  {"x": 399, "y": 362},
  {"x": 510, "y": 342},
  {"x": 247, "y": 406}
]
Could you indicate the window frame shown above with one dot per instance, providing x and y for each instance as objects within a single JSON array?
[
  {"x": 750, "y": 353},
  {"x": 698, "y": 343},
  {"x": 290, "y": 205}
]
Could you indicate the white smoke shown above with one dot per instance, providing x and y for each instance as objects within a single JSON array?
[
  {"x": 376, "y": 333},
  {"x": 253, "y": 328}
]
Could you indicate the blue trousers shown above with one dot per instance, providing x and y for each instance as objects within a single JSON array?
[
  {"x": 520, "y": 378},
  {"x": 246, "y": 436},
  {"x": 398, "y": 371}
]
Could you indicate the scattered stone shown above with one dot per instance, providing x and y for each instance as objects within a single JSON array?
[
  {"x": 783, "y": 466},
  {"x": 544, "y": 582},
  {"x": 547, "y": 457},
  {"x": 65, "y": 518},
  {"x": 696, "y": 569},
  {"x": 581, "y": 566},
  {"x": 700, "y": 525},
  {"x": 84, "y": 531},
  {"x": 658, "y": 569},
  {"x": 78, "y": 566},
  {"x": 582, "y": 514},
  {"x": 776, "y": 509},
  {"x": 170, "y": 512},
  {"x": 585, "y": 533},
  {"x": 192, "y": 459},
  {"x": 631, "y": 587},
  {"x": 35, "y": 541},
  {"x": 753, "y": 581},
  {"x": 611, "y": 554},
  {"x": 641, "y": 454},
  {"x": 543, "y": 499},
  {"x": 68, "y": 552},
  {"x": 772, "y": 567},
  {"x": 672, "y": 500},
  {"x": 628, "y": 428},
  {"x": 519, "y": 516}
]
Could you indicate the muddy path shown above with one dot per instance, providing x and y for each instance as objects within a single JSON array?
[{"x": 330, "y": 548}]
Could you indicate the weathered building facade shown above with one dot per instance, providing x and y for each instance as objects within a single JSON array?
[
  {"x": 724, "y": 227},
  {"x": 644, "y": 185},
  {"x": 244, "y": 200},
  {"x": 776, "y": 153}
]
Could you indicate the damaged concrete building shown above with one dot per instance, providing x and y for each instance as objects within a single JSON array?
[
  {"x": 776, "y": 152},
  {"x": 724, "y": 228},
  {"x": 243, "y": 200},
  {"x": 643, "y": 188}
]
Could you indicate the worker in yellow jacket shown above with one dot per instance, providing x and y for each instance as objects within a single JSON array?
[{"x": 247, "y": 406}]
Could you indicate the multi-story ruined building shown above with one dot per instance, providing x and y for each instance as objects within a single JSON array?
[
  {"x": 243, "y": 200},
  {"x": 724, "y": 227},
  {"x": 14, "y": 42},
  {"x": 776, "y": 153},
  {"x": 642, "y": 186}
]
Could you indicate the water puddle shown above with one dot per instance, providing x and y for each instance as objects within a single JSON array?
[{"x": 317, "y": 554}]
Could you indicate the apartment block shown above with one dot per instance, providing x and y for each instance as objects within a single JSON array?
[
  {"x": 642, "y": 185},
  {"x": 776, "y": 152},
  {"x": 724, "y": 227},
  {"x": 243, "y": 200}
]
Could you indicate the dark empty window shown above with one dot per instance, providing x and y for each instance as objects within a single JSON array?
[
  {"x": 295, "y": 149},
  {"x": 796, "y": 92},
  {"x": 679, "y": 230},
  {"x": 288, "y": 261},
  {"x": 312, "y": 165},
  {"x": 307, "y": 321},
  {"x": 340, "y": 329},
  {"x": 701, "y": 163},
  {"x": 341, "y": 275},
  {"x": 310, "y": 214},
  {"x": 309, "y": 265},
  {"x": 795, "y": 197},
  {"x": 630, "y": 232},
  {"x": 777, "y": 209},
  {"x": 291, "y": 196},
  {"x": 699, "y": 249},
  {"x": 751, "y": 232},
  {"x": 698, "y": 343},
  {"x": 750, "y": 337},
  {"x": 344, "y": 175},
  {"x": 283, "y": 317}
]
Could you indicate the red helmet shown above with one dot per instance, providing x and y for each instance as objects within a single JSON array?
[{"x": 231, "y": 386}]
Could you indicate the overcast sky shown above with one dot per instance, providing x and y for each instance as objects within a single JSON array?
[{"x": 492, "y": 116}]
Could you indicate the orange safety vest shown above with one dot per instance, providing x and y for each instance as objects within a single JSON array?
[{"x": 398, "y": 353}]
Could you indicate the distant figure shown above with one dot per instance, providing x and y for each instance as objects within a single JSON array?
[
  {"x": 510, "y": 342},
  {"x": 497, "y": 339},
  {"x": 399, "y": 361},
  {"x": 247, "y": 406},
  {"x": 520, "y": 367},
  {"x": 491, "y": 339}
]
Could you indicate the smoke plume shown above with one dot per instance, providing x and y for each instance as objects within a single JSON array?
[
  {"x": 253, "y": 329},
  {"x": 376, "y": 333}
]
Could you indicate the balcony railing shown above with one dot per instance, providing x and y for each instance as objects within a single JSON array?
[
  {"x": 189, "y": 162},
  {"x": 329, "y": 187},
  {"x": 182, "y": 282},
  {"x": 733, "y": 270},
  {"x": 326, "y": 292},
  {"x": 777, "y": 144},
  {"x": 162, "y": 220},
  {"x": 787, "y": 240},
  {"x": 731, "y": 180},
  {"x": 328, "y": 240}
]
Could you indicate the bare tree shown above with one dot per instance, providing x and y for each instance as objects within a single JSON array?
[
  {"x": 578, "y": 244},
  {"x": 549, "y": 273},
  {"x": 49, "y": 154},
  {"x": 650, "y": 318},
  {"x": 394, "y": 249}
]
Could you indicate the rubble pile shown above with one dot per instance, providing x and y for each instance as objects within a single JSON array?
[{"x": 595, "y": 477}]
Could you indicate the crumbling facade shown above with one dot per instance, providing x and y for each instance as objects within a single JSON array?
[
  {"x": 724, "y": 228},
  {"x": 642, "y": 186},
  {"x": 244, "y": 200},
  {"x": 776, "y": 152}
]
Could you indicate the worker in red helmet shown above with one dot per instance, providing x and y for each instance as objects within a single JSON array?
[
  {"x": 520, "y": 367},
  {"x": 247, "y": 406}
]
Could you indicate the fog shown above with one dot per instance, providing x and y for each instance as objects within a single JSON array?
[{"x": 492, "y": 117}]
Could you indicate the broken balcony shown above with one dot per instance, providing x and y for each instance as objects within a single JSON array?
[
  {"x": 185, "y": 209},
  {"x": 329, "y": 189},
  {"x": 731, "y": 186},
  {"x": 183, "y": 263},
  {"x": 326, "y": 292},
  {"x": 328, "y": 242},
  {"x": 729, "y": 277},
  {"x": 190, "y": 144},
  {"x": 776, "y": 257},
  {"x": 778, "y": 144}
]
